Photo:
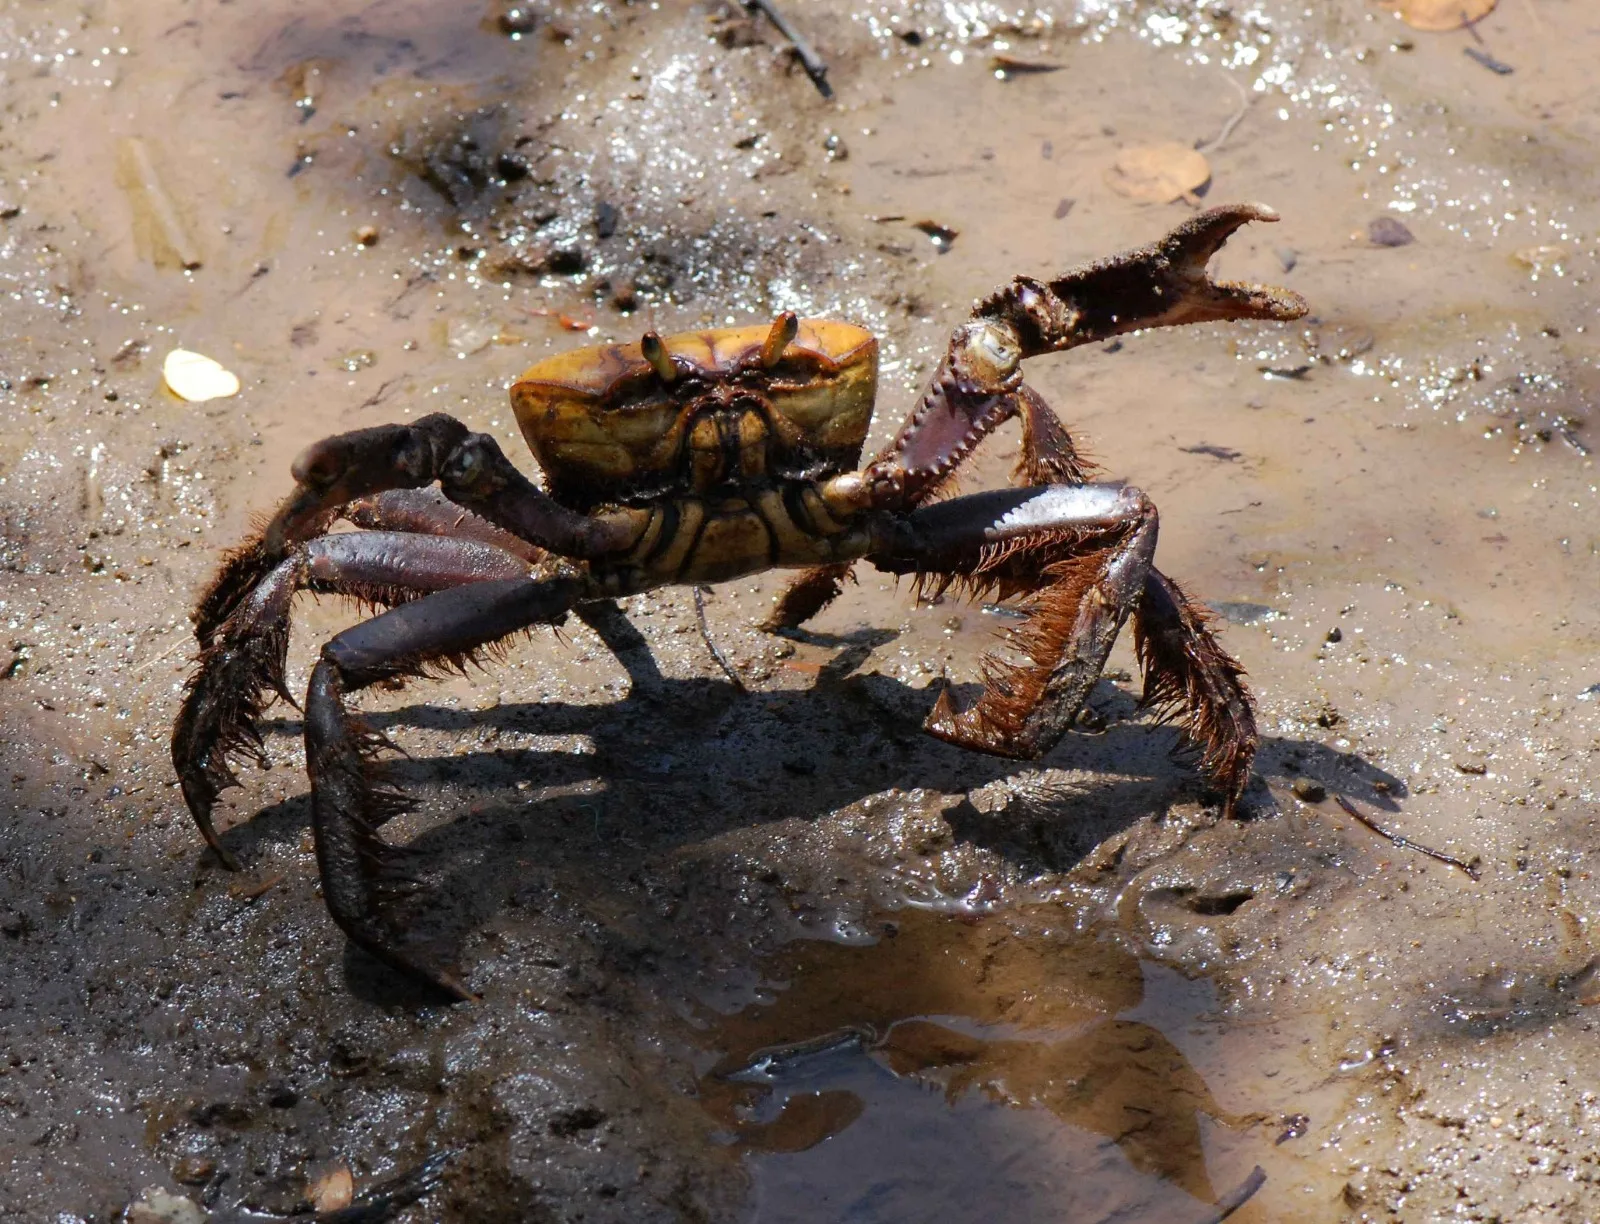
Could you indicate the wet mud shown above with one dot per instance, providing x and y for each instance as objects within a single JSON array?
[{"x": 777, "y": 955}]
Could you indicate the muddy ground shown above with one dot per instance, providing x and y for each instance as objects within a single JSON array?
[{"x": 1063, "y": 991}]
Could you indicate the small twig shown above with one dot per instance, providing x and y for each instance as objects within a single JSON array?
[
  {"x": 180, "y": 644},
  {"x": 1406, "y": 843},
  {"x": 705, "y": 636},
  {"x": 1233, "y": 120},
  {"x": 809, "y": 59},
  {"x": 1237, "y": 1197}
]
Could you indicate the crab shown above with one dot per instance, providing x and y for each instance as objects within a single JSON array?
[{"x": 697, "y": 459}]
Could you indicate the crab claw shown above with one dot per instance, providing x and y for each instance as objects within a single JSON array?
[{"x": 1163, "y": 284}]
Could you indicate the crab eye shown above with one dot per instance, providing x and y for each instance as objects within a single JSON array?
[
  {"x": 995, "y": 348},
  {"x": 467, "y": 463}
]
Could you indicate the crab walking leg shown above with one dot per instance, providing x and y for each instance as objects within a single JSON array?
[
  {"x": 328, "y": 474},
  {"x": 1085, "y": 550},
  {"x": 244, "y": 663},
  {"x": 336, "y": 471},
  {"x": 1188, "y": 676},
  {"x": 430, "y": 512},
  {"x": 438, "y": 632},
  {"x": 1191, "y": 679}
]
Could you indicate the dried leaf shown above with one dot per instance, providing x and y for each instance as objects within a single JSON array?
[
  {"x": 1158, "y": 174},
  {"x": 334, "y": 1190},
  {"x": 1440, "y": 15},
  {"x": 197, "y": 378}
]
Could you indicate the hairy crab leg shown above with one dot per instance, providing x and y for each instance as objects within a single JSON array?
[
  {"x": 1084, "y": 552},
  {"x": 1188, "y": 676},
  {"x": 470, "y": 468},
  {"x": 244, "y": 663},
  {"x": 349, "y": 804},
  {"x": 430, "y": 512},
  {"x": 978, "y": 385}
]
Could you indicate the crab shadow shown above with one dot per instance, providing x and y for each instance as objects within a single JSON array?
[{"x": 560, "y": 794}]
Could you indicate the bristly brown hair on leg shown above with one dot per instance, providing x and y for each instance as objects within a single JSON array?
[
  {"x": 1189, "y": 678},
  {"x": 241, "y": 571},
  {"x": 1060, "y": 574},
  {"x": 1048, "y": 454},
  {"x": 807, "y": 595}
]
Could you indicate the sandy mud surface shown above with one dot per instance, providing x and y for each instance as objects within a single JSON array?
[{"x": 777, "y": 955}]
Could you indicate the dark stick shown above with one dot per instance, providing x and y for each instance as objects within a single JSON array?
[
  {"x": 1238, "y": 1197},
  {"x": 809, "y": 59},
  {"x": 1406, "y": 843},
  {"x": 705, "y": 636}
]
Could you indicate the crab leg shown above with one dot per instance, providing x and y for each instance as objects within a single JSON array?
[
  {"x": 978, "y": 386},
  {"x": 432, "y": 634},
  {"x": 430, "y": 512},
  {"x": 1188, "y": 676},
  {"x": 1085, "y": 552},
  {"x": 470, "y": 468},
  {"x": 244, "y": 662}
]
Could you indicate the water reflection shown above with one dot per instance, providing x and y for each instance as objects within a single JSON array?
[{"x": 961, "y": 1068}]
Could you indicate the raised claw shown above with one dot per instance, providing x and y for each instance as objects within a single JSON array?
[{"x": 1162, "y": 284}]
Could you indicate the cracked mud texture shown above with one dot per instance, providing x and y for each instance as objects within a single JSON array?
[{"x": 728, "y": 943}]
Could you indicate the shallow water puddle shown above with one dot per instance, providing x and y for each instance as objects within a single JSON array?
[{"x": 956, "y": 1069}]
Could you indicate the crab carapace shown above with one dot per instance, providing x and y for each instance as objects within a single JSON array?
[{"x": 700, "y": 458}]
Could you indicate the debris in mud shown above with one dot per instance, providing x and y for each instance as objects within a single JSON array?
[
  {"x": 1159, "y": 173},
  {"x": 942, "y": 235},
  {"x": 1440, "y": 16},
  {"x": 1226, "y": 453},
  {"x": 1063, "y": 206},
  {"x": 1385, "y": 231},
  {"x": 334, "y": 1190},
  {"x": 1241, "y": 613},
  {"x": 1007, "y": 66},
  {"x": 1309, "y": 790},
  {"x": 1480, "y": 56},
  {"x": 1542, "y": 257},
  {"x": 156, "y": 1206},
  {"x": 815, "y": 68},
  {"x": 1470, "y": 869},
  {"x": 159, "y": 232},
  {"x": 197, "y": 378}
]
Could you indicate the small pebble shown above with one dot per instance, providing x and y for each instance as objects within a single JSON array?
[
  {"x": 1335, "y": 634},
  {"x": 367, "y": 235},
  {"x": 1309, "y": 790},
  {"x": 835, "y": 147},
  {"x": 1387, "y": 232}
]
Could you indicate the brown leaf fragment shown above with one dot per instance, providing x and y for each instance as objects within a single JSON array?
[
  {"x": 334, "y": 1190},
  {"x": 1385, "y": 231},
  {"x": 1158, "y": 173},
  {"x": 1438, "y": 16}
]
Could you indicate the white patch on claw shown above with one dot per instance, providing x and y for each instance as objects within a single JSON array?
[{"x": 1069, "y": 505}]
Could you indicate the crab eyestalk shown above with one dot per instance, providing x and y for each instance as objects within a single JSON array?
[
  {"x": 973, "y": 391},
  {"x": 784, "y": 329},
  {"x": 655, "y": 352}
]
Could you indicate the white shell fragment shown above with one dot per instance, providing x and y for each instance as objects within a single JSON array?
[{"x": 197, "y": 378}]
